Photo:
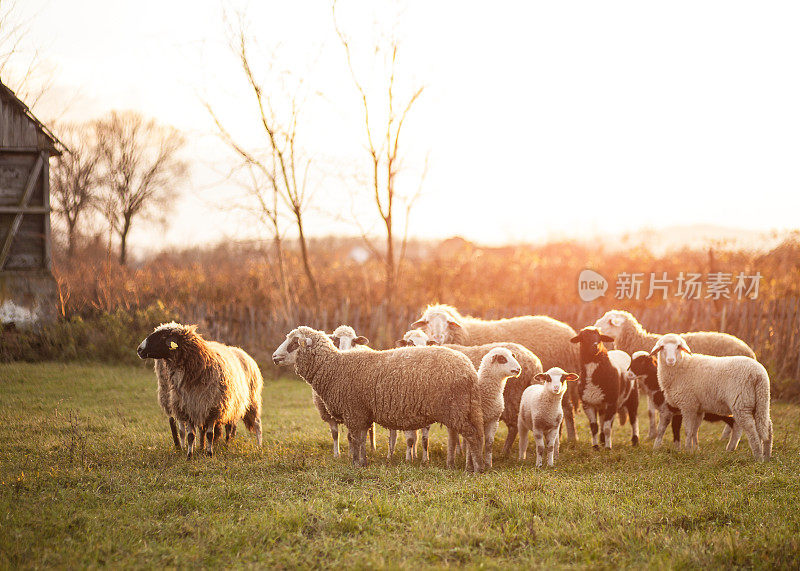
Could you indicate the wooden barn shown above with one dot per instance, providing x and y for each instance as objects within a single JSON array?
[{"x": 28, "y": 292}]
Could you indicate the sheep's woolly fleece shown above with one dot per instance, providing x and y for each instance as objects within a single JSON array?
[{"x": 630, "y": 336}]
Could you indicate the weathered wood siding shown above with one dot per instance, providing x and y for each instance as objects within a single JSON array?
[{"x": 17, "y": 129}]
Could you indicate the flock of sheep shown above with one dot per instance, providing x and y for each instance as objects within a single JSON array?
[{"x": 531, "y": 372}]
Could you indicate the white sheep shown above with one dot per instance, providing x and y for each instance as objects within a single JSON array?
[
  {"x": 496, "y": 367},
  {"x": 547, "y": 338},
  {"x": 540, "y": 412},
  {"x": 734, "y": 385},
  {"x": 630, "y": 336},
  {"x": 345, "y": 338},
  {"x": 401, "y": 389}
]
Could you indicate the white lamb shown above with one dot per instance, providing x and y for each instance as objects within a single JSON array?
[
  {"x": 696, "y": 384},
  {"x": 540, "y": 411}
]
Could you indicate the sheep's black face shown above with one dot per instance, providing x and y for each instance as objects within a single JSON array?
[
  {"x": 646, "y": 366},
  {"x": 591, "y": 341},
  {"x": 159, "y": 345}
]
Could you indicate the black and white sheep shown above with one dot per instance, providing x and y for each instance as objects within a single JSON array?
[{"x": 605, "y": 387}]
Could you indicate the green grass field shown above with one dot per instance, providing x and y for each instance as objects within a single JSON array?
[{"x": 90, "y": 478}]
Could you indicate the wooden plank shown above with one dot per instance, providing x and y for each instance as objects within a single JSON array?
[
  {"x": 27, "y": 210},
  {"x": 47, "y": 262},
  {"x": 12, "y": 231}
]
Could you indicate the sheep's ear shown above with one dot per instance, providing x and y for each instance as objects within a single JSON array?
[
  {"x": 304, "y": 341},
  {"x": 453, "y": 324},
  {"x": 570, "y": 377},
  {"x": 617, "y": 320},
  {"x": 608, "y": 338},
  {"x": 360, "y": 340},
  {"x": 431, "y": 342},
  {"x": 658, "y": 347},
  {"x": 576, "y": 339},
  {"x": 684, "y": 347},
  {"x": 541, "y": 377},
  {"x": 418, "y": 324},
  {"x": 400, "y": 343}
]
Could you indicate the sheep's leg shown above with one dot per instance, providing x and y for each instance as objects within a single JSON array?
[
  {"x": 190, "y": 442},
  {"x": 523, "y": 442},
  {"x": 608, "y": 424},
  {"x": 697, "y": 430},
  {"x": 335, "y": 436},
  {"x": 488, "y": 442},
  {"x": 677, "y": 419},
  {"x": 473, "y": 444},
  {"x": 230, "y": 431},
  {"x": 663, "y": 422},
  {"x": 392, "y": 443},
  {"x": 569, "y": 416},
  {"x": 211, "y": 431},
  {"x": 558, "y": 442},
  {"x": 372, "y": 437},
  {"x": 591, "y": 414},
  {"x": 458, "y": 449},
  {"x": 512, "y": 435},
  {"x": 736, "y": 435},
  {"x": 632, "y": 406},
  {"x": 652, "y": 416},
  {"x": 411, "y": 445},
  {"x": 173, "y": 427},
  {"x": 425, "y": 431},
  {"x": 726, "y": 433},
  {"x": 538, "y": 436},
  {"x": 747, "y": 424},
  {"x": 182, "y": 433},
  {"x": 452, "y": 439},
  {"x": 689, "y": 428},
  {"x": 202, "y": 437},
  {"x": 217, "y": 432},
  {"x": 551, "y": 445}
]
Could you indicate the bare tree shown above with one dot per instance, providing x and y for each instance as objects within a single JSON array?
[
  {"x": 22, "y": 70},
  {"x": 75, "y": 179},
  {"x": 384, "y": 149},
  {"x": 282, "y": 165},
  {"x": 141, "y": 171}
]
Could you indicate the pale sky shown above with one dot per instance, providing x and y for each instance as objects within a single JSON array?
[{"x": 540, "y": 120}]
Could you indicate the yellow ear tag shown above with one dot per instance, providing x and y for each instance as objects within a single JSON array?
[
  {"x": 302, "y": 341},
  {"x": 173, "y": 345}
]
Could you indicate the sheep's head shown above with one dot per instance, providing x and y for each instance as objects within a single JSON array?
[
  {"x": 613, "y": 321},
  {"x": 591, "y": 340},
  {"x": 502, "y": 362},
  {"x": 439, "y": 323},
  {"x": 643, "y": 367},
  {"x": 297, "y": 340},
  {"x": 165, "y": 341},
  {"x": 415, "y": 338},
  {"x": 669, "y": 348},
  {"x": 555, "y": 380},
  {"x": 345, "y": 338}
]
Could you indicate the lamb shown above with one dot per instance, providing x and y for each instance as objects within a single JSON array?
[
  {"x": 212, "y": 384},
  {"x": 345, "y": 338},
  {"x": 540, "y": 411},
  {"x": 630, "y": 337},
  {"x": 546, "y": 337},
  {"x": 644, "y": 368},
  {"x": 605, "y": 387},
  {"x": 734, "y": 385},
  {"x": 401, "y": 389},
  {"x": 496, "y": 367},
  {"x": 530, "y": 363}
]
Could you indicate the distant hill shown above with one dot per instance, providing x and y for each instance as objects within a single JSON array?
[{"x": 694, "y": 236}]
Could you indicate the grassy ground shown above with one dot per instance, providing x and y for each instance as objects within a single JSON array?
[{"x": 89, "y": 477}]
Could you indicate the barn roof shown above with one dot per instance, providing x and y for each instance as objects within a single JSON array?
[{"x": 47, "y": 140}]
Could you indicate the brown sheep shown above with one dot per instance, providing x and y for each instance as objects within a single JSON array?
[{"x": 212, "y": 384}]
